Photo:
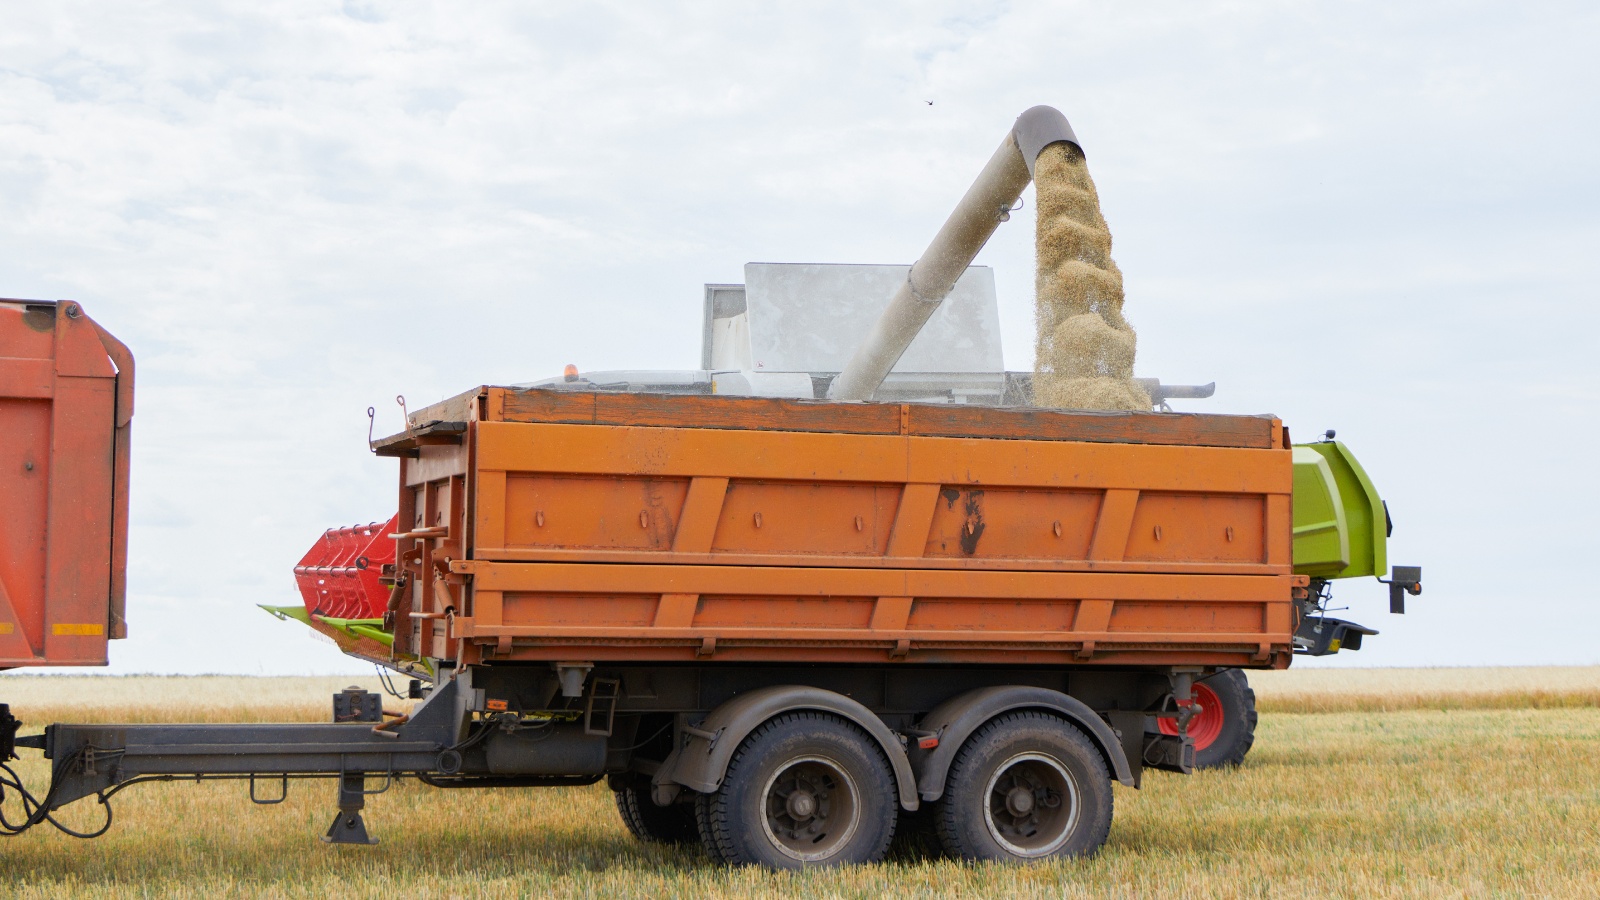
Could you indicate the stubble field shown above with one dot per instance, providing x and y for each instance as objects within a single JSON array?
[{"x": 1364, "y": 783}]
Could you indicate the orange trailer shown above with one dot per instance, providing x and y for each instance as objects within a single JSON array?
[
  {"x": 782, "y": 628},
  {"x": 550, "y": 525}
]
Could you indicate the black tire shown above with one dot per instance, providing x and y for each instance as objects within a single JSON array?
[
  {"x": 803, "y": 790},
  {"x": 654, "y": 824},
  {"x": 1238, "y": 733},
  {"x": 1025, "y": 787}
]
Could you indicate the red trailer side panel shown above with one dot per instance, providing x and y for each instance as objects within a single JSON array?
[{"x": 66, "y": 402}]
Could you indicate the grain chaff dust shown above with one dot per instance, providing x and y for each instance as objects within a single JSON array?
[{"x": 1084, "y": 355}]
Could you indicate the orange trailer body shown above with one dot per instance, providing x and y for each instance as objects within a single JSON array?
[
  {"x": 559, "y": 526},
  {"x": 66, "y": 403}
]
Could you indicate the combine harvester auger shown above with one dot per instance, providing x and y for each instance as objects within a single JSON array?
[{"x": 778, "y": 602}]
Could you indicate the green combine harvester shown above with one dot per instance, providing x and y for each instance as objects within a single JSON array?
[{"x": 1341, "y": 530}]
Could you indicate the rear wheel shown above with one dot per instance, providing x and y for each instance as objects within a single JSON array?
[
  {"x": 1225, "y": 728},
  {"x": 804, "y": 789},
  {"x": 1026, "y": 786},
  {"x": 654, "y": 824}
]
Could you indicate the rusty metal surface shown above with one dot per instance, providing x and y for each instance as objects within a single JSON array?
[
  {"x": 66, "y": 405},
  {"x": 925, "y": 419}
]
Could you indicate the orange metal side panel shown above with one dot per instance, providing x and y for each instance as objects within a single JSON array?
[
  {"x": 806, "y": 518},
  {"x": 774, "y": 498},
  {"x": 792, "y": 456},
  {"x": 614, "y": 513},
  {"x": 1198, "y": 528},
  {"x": 672, "y": 542},
  {"x": 65, "y": 409},
  {"x": 1013, "y": 523}
]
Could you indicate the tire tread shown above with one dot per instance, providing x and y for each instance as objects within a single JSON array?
[
  {"x": 1233, "y": 689},
  {"x": 949, "y": 821},
  {"x": 653, "y": 824},
  {"x": 716, "y": 820}
]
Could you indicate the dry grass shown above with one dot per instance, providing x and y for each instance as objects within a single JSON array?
[
  {"x": 200, "y": 698},
  {"x": 1421, "y": 798},
  {"x": 1388, "y": 690}
]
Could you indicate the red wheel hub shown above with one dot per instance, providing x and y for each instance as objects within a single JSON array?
[{"x": 1206, "y": 726}]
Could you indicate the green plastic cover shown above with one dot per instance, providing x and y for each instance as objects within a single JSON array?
[{"x": 1341, "y": 529}]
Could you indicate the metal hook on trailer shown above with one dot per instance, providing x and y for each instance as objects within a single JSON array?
[
  {"x": 282, "y": 795},
  {"x": 388, "y": 782},
  {"x": 405, "y": 413}
]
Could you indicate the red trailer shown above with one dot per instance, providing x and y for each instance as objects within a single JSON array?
[{"x": 66, "y": 404}]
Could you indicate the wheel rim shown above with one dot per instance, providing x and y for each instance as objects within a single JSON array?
[
  {"x": 1031, "y": 805},
  {"x": 810, "y": 808},
  {"x": 1206, "y": 726}
]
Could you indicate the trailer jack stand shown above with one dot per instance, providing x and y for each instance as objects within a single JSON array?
[{"x": 347, "y": 827}]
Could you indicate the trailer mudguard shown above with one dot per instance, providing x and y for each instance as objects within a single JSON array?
[
  {"x": 702, "y": 761},
  {"x": 954, "y": 720}
]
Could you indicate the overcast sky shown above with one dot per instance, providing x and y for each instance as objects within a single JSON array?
[{"x": 1375, "y": 217}]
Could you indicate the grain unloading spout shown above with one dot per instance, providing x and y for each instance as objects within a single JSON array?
[{"x": 987, "y": 203}]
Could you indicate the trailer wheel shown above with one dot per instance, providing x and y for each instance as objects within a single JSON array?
[
  {"x": 1027, "y": 786},
  {"x": 654, "y": 824},
  {"x": 805, "y": 789},
  {"x": 1225, "y": 729}
]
